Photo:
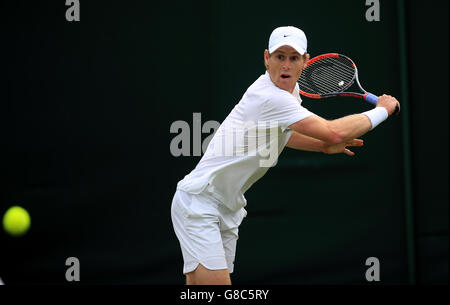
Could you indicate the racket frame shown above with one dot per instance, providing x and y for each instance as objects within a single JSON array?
[{"x": 371, "y": 98}]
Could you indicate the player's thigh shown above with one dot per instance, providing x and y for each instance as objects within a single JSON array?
[
  {"x": 204, "y": 276},
  {"x": 229, "y": 242},
  {"x": 196, "y": 224},
  {"x": 230, "y": 223}
]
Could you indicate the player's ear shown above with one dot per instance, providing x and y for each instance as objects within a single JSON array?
[
  {"x": 266, "y": 58},
  {"x": 306, "y": 59}
]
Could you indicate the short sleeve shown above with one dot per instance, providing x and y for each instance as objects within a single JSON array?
[{"x": 285, "y": 109}]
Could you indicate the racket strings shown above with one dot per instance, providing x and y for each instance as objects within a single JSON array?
[
  {"x": 327, "y": 78},
  {"x": 332, "y": 68},
  {"x": 327, "y": 75},
  {"x": 333, "y": 83},
  {"x": 328, "y": 83}
]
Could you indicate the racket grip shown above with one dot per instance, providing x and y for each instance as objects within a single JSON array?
[{"x": 371, "y": 98}]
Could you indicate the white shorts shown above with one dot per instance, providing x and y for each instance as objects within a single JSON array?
[{"x": 206, "y": 229}]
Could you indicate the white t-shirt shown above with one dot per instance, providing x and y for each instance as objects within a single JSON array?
[{"x": 247, "y": 143}]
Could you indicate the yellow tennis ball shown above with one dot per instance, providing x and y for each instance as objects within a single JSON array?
[{"x": 16, "y": 221}]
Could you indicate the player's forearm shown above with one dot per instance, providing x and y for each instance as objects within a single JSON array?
[
  {"x": 301, "y": 142},
  {"x": 350, "y": 127}
]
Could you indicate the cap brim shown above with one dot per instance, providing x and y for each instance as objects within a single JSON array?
[{"x": 293, "y": 45}]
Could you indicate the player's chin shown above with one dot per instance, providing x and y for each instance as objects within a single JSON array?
[{"x": 286, "y": 83}]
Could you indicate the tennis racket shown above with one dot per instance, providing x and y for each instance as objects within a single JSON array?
[{"x": 330, "y": 75}]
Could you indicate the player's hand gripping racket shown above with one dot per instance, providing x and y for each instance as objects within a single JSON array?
[{"x": 331, "y": 75}]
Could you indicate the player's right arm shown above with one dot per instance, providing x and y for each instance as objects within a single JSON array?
[
  {"x": 344, "y": 129},
  {"x": 301, "y": 142}
]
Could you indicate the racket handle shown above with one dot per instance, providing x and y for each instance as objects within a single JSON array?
[{"x": 371, "y": 98}]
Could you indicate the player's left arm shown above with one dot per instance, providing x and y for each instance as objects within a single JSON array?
[{"x": 302, "y": 142}]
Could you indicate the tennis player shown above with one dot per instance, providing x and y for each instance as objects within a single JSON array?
[{"x": 208, "y": 205}]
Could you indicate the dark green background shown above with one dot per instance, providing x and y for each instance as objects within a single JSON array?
[{"x": 86, "y": 110}]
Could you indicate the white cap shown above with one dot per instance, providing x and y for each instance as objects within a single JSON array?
[{"x": 288, "y": 36}]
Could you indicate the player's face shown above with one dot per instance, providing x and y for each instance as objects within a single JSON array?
[{"x": 285, "y": 66}]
